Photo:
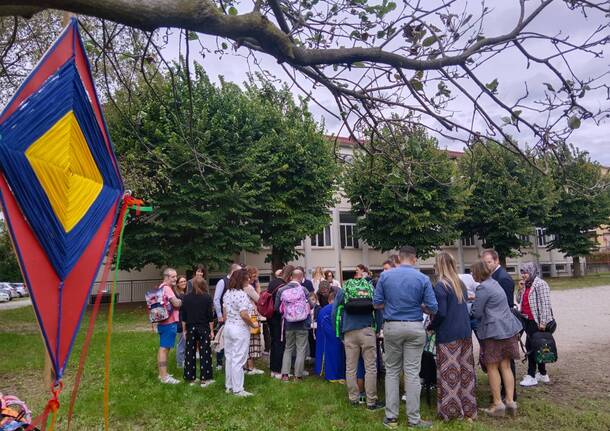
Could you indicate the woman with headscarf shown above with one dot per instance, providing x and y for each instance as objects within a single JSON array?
[{"x": 534, "y": 297}]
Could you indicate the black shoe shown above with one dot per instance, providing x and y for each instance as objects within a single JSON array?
[
  {"x": 390, "y": 423},
  {"x": 355, "y": 403},
  {"x": 362, "y": 399},
  {"x": 378, "y": 405}
]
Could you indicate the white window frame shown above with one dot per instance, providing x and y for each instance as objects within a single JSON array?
[
  {"x": 327, "y": 236},
  {"x": 343, "y": 226},
  {"x": 541, "y": 237},
  {"x": 468, "y": 241}
]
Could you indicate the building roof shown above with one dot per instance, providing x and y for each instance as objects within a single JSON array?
[{"x": 346, "y": 141}]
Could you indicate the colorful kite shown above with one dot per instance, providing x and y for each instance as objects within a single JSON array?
[{"x": 60, "y": 188}]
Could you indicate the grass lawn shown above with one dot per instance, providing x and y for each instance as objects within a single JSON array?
[
  {"x": 140, "y": 402},
  {"x": 589, "y": 280}
]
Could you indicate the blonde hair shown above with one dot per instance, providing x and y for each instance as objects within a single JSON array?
[
  {"x": 447, "y": 274},
  {"x": 317, "y": 273}
]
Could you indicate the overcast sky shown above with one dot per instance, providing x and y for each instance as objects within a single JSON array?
[{"x": 509, "y": 68}]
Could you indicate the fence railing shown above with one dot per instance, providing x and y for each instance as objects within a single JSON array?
[{"x": 129, "y": 290}]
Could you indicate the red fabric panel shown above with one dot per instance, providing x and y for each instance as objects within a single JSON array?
[
  {"x": 40, "y": 276},
  {"x": 54, "y": 59},
  {"x": 77, "y": 284}
]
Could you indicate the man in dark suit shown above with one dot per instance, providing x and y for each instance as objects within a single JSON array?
[{"x": 492, "y": 261}]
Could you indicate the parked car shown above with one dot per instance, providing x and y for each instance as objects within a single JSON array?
[
  {"x": 10, "y": 290},
  {"x": 4, "y": 296},
  {"x": 21, "y": 289}
]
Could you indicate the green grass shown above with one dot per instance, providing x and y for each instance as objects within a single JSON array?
[
  {"x": 589, "y": 280},
  {"x": 139, "y": 402}
]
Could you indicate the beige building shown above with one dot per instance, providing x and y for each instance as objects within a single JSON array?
[{"x": 338, "y": 249}]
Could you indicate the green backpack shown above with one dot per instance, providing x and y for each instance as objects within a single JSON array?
[{"x": 357, "y": 299}]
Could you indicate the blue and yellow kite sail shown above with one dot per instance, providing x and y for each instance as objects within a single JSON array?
[{"x": 60, "y": 188}]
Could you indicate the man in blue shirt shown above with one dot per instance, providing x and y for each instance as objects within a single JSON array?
[{"x": 403, "y": 293}]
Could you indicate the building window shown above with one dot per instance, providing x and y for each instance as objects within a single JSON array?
[
  {"x": 323, "y": 239},
  {"x": 541, "y": 236},
  {"x": 560, "y": 268},
  {"x": 347, "y": 228},
  {"x": 511, "y": 269},
  {"x": 348, "y": 237},
  {"x": 468, "y": 241},
  {"x": 524, "y": 239}
]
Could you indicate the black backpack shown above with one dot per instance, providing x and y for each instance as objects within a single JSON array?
[{"x": 544, "y": 347}]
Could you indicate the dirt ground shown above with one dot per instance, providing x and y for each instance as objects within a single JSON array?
[{"x": 583, "y": 343}]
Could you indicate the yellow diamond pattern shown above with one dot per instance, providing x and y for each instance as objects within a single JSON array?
[{"x": 66, "y": 170}]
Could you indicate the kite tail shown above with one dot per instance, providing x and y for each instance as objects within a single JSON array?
[{"x": 50, "y": 409}]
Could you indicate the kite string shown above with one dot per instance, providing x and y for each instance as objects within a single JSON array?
[
  {"x": 110, "y": 317},
  {"x": 51, "y": 408},
  {"x": 96, "y": 307}
]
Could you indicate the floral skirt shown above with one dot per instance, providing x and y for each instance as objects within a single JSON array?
[
  {"x": 456, "y": 380},
  {"x": 494, "y": 351}
]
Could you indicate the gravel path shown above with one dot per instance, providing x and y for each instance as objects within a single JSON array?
[
  {"x": 15, "y": 303},
  {"x": 583, "y": 344}
]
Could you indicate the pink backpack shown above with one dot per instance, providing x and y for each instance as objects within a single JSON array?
[{"x": 294, "y": 305}]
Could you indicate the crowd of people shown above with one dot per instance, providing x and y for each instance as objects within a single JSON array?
[{"x": 363, "y": 330}]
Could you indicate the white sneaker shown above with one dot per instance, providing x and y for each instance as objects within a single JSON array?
[
  {"x": 543, "y": 378},
  {"x": 207, "y": 383},
  {"x": 528, "y": 381},
  {"x": 305, "y": 373},
  {"x": 254, "y": 372},
  {"x": 404, "y": 397},
  {"x": 243, "y": 394},
  {"x": 228, "y": 391},
  {"x": 276, "y": 375},
  {"x": 218, "y": 367},
  {"x": 169, "y": 380}
]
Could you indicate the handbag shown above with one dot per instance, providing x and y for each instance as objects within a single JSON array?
[
  {"x": 257, "y": 330},
  {"x": 544, "y": 346}
]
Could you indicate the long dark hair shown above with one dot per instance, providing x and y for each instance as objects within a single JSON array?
[{"x": 236, "y": 282}]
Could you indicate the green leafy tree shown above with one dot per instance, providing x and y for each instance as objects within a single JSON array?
[
  {"x": 294, "y": 173},
  {"x": 225, "y": 169},
  {"x": 404, "y": 191},
  {"x": 9, "y": 268},
  {"x": 508, "y": 197},
  {"x": 582, "y": 207}
]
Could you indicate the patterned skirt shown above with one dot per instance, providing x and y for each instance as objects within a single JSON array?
[
  {"x": 456, "y": 380},
  {"x": 494, "y": 351},
  {"x": 255, "y": 346}
]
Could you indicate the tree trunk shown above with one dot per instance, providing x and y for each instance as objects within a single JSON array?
[
  {"x": 276, "y": 260},
  {"x": 502, "y": 260},
  {"x": 576, "y": 266}
]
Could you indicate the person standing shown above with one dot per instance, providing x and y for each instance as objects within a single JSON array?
[
  {"x": 307, "y": 284},
  {"x": 534, "y": 296},
  {"x": 180, "y": 291},
  {"x": 316, "y": 277},
  {"x": 197, "y": 316},
  {"x": 498, "y": 334},
  {"x": 218, "y": 299},
  {"x": 276, "y": 352},
  {"x": 237, "y": 310},
  {"x": 253, "y": 292},
  {"x": 402, "y": 293},
  {"x": 330, "y": 354},
  {"x": 292, "y": 302},
  {"x": 355, "y": 320},
  {"x": 167, "y": 328},
  {"x": 200, "y": 273},
  {"x": 455, "y": 373},
  {"x": 492, "y": 260},
  {"x": 329, "y": 276}
]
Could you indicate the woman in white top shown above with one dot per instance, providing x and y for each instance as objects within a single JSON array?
[
  {"x": 316, "y": 277},
  {"x": 237, "y": 310}
]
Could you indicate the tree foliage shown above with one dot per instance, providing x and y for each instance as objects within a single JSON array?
[
  {"x": 9, "y": 268},
  {"x": 251, "y": 169},
  {"x": 422, "y": 60},
  {"x": 419, "y": 205},
  {"x": 582, "y": 206},
  {"x": 508, "y": 197}
]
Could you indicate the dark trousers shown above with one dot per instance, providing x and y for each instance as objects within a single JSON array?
[
  {"x": 531, "y": 327},
  {"x": 197, "y": 338},
  {"x": 220, "y": 356},
  {"x": 276, "y": 353},
  {"x": 312, "y": 344}
]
